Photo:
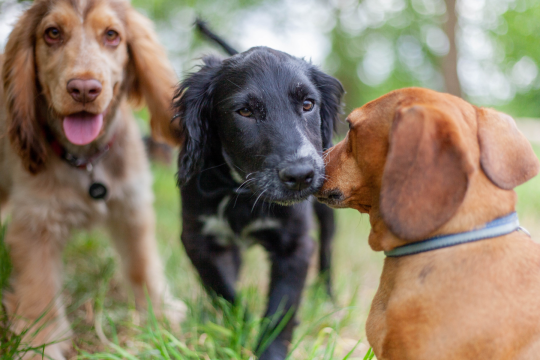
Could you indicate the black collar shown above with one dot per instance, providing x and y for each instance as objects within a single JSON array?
[{"x": 78, "y": 162}]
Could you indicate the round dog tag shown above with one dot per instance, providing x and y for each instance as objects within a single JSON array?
[{"x": 97, "y": 191}]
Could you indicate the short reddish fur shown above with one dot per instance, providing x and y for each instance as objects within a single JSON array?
[{"x": 421, "y": 164}]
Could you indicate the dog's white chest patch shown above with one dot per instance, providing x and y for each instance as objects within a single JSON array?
[{"x": 218, "y": 226}]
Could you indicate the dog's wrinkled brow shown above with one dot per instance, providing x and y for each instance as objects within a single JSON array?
[
  {"x": 243, "y": 99},
  {"x": 82, "y": 7},
  {"x": 299, "y": 91}
]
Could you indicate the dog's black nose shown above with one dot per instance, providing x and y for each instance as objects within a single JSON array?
[{"x": 297, "y": 177}]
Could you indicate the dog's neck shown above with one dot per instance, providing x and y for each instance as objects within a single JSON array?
[
  {"x": 483, "y": 203},
  {"x": 217, "y": 180}
]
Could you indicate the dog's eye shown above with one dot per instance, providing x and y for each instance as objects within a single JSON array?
[
  {"x": 308, "y": 105},
  {"x": 112, "y": 37},
  {"x": 52, "y": 35},
  {"x": 245, "y": 112}
]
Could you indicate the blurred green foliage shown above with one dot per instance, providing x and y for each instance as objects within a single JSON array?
[
  {"x": 522, "y": 39},
  {"x": 372, "y": 46},
  {"x": 377, "y": 46},
  {"x": 403, "y": 26}
]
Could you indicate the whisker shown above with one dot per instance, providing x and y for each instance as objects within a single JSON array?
[
  {"x": 238, "y": 86},
  {"x": 325, "y": 154},
  {"x": 213, "y": 167},
  {"x": 224, "y": 100},
  {"x": 326, "y": 177},
  {"x": 245, "y": 183},
  {"x": 239, "y": 168},
  {"x": 255, "y": 203}
]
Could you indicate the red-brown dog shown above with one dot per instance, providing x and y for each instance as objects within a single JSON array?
[{"x": 425, "y": 164}]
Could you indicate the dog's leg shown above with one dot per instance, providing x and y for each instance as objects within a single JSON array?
[
  {"x": 289, "y": 271},
  {"x": 218, "y": 266},
  {"x": 132, "y": 225},
  {"x": 35, "y": 304},
  {"x": 327, "y": 226}
]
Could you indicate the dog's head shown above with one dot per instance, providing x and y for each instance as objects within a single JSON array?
[
  {"x": 413, "y": 159},
  {"x": 69, "y": 63},
  {"x": 270, "y": 116}
]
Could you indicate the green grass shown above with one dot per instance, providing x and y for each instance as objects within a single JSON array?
[
  {"x": 12, "y": 345},
  {"x": 96, "y": 293}
]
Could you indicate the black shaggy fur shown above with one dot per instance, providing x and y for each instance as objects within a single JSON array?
[{"x": 233, "y": 171}]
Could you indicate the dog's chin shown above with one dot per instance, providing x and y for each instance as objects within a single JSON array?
[
  {"x": 288, "y": 197},
  {"x": 333, "y": 198},
  {"x": 331, "y": 203},
  {"x": 342, "y": 204},
  {"x": 288, "y": 202}
]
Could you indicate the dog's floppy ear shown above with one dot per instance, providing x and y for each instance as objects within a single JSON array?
[
  {"x": 20, "y": 88},
  {"x": 426, "y": 174},
  {"x": 193, "y": 104},
  {"x": 150, "y": 76},
  {"x": 506, "y": 156},
  {"x": 331, "y": 93}
]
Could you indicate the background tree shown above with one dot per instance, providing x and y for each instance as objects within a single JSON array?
[
  {"x": 450, "y": 61},
  {"x": 486, "y": 51}
]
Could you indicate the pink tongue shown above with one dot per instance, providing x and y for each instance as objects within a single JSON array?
[{"x": 82, "y": 128}]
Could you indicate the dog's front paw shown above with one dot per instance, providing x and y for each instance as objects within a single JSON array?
[
  {"x": 53, "y": 351},
  {"x": 49, "y": 336},
  {"x": 175, "y": 311},
  {"x": 275, "y": 351}
]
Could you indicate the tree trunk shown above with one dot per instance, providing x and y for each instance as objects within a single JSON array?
[{"x": 449, "y": 65}]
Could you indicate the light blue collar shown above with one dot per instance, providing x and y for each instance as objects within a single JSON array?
[{"x": 498, "y": 227}]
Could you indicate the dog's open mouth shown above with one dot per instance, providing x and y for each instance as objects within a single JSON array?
[{"x": 82, "y": 128}]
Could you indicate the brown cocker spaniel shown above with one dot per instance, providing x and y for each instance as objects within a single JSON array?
[{"x": 71, "y": 155}]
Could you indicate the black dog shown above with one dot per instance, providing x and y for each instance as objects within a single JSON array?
[{"x": 255, "y": 126}]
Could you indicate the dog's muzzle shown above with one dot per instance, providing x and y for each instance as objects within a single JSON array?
[{"x": 330, "y": 197}]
